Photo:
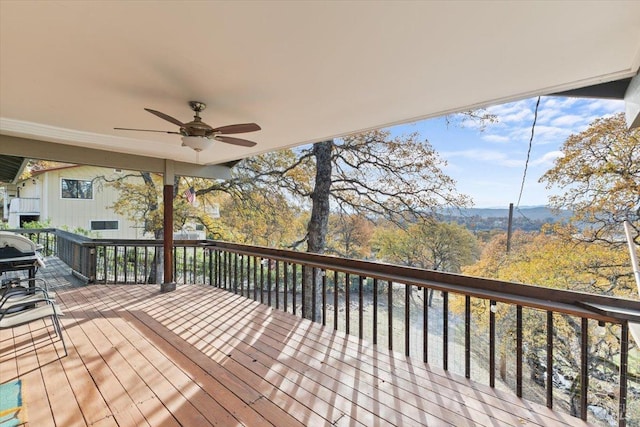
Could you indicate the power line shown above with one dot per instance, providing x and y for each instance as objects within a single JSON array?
[{"x": 526, "y": 165}]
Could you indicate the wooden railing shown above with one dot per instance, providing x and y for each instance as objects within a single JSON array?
[{"x": 568, "y": 350}]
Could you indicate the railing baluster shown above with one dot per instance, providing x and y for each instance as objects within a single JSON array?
[
  {"x": 204, "y": 265},
  {"x": 194, "y": 274},
  {"x": 445, "y": 330},
  {"x": 229, "y": 271},
  {"x": 242, "y": 257},
  {"x": 584, "y": 367},
  {"x": 335, "y": 300},
  {"x": 125, "y": 263},
  {"x": 390, "y": 312},
  {"x": 217, "y": 268},
  {"x": 115, "y": 265},
  {"x": 235, "y": 272},
  {"x": 294, "y": 286},
  {"x": 106, "y": 263},
  {"x": 219, "y": 256},
  {"x": 223, "y": 270},
  {"x": 549, "y": 359},
  {"x": 277, "y": 284},
  {"x": 492, "y": 343},
  {"x": 286, "y": 285},
  {"x": 347, "y": 303},
  {"x": 467, "y": 336},
  {"x": 262, "y": 280},
  {"x": 375, "y": 311},
  {"x": 135, "y": 265},
  {"x": 324, "y": 298},
  {"x": 407, "y": 317},
  {"x": 304, "y": 289},
  {"x": 255, "y": 278},
  {"x": 360, "y": 305},
  {"x": 210, "y": 270},
  {"x": 624, "y": 360},
  {"x": 519, "y": 350},
  {"x": 314, "y": 292},
  {"x": 184, "y": 265},
  {"x": 425, "y": 325},
  {"x": 248, "y": 257},
  {"x": 269, "y": 282}
]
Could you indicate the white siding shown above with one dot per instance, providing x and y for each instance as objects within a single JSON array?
[{"x": 78, "y": 213}]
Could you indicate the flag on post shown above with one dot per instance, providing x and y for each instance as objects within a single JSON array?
[{"x": 190, "y": 194}]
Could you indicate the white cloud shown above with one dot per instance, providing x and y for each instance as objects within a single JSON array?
[
  {"x": 557, "y": 102},
  {"x": 568, "y": 120},
  {"x": 495, "y": 138},
  {"x": 547, "y": 159},
  {"x": 495, "y": 158},
  {"x": 510, "y": 108},
  {"x": 517, "y": 116},
  {"x": 604, "y": 106}
]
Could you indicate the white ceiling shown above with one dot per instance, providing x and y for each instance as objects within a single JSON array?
[{"x": 70, "y": 71}]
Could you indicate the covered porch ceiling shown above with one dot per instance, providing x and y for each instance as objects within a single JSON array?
[{"x": 304, "y": 71}]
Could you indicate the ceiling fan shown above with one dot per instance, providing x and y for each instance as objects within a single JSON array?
[{"x": 196, "y": 133}]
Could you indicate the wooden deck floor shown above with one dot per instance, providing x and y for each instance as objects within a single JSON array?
[{"x": 200, "y": 356}]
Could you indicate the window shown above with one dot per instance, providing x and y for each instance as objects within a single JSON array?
[
  {"x": 104, "y": 225},
  {"x": 76, "y": 189}
]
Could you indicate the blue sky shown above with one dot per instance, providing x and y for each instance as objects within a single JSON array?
[{"x": 488, "y": 165}]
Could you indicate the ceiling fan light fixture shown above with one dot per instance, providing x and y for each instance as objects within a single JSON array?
[{"x": 196, "y": 143}]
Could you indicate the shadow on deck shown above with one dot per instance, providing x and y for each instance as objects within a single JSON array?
[{"x": 203, "y": 356}]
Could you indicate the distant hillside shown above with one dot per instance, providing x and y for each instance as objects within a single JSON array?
[
  {"x": 539, "y": 213},
  {"x": 530, "y": 218}
]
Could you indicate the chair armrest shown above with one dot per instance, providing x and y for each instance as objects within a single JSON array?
[
  {"x": 23, "y": 300},
  {"x": 25, "y": 292}
]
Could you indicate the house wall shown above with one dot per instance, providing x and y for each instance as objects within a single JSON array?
[{"x": 72, "y": 213}]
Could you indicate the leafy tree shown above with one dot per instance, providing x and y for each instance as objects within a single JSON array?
[
  {"x": 427, "y": 244},
  {"x": 371, "y": 174},
  {"x": 551, "y": 260},
  {"x": 141, "y": 199},
  {"x": 349, "y": 235},
  {"x": 599, "y": 172},
  {"x": 261, "y": 219},
  {"x": 367, "y": 174}
]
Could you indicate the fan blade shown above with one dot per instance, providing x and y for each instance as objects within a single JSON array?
[
  {"x": 240, "y": 128},
  {"x": 165, "y": 117},
  {"x": 149, "y": 130},
  {"x": 235, "y": 141}
]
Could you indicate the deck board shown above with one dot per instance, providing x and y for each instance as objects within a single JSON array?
[{"x": 203, "y": 356}]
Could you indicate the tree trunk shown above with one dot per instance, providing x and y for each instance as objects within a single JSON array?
[
  {"x": 156, "y": 262},
  {"x": 318, "y": 223}
]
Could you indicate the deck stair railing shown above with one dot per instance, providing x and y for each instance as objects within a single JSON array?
[{"x": 568, "y": 350}]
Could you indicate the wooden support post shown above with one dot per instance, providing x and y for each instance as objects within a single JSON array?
[{"x": 167, "y": 283}]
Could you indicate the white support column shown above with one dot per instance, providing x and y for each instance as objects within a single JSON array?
[{"x": 632, "y": 103}]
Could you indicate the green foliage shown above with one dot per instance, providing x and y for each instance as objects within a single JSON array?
[
  {"x": 260, "y": 218},
  {"x": 551, "y": 260},
  {"x": 427, "y": 244},
  {"x": 349, "y": 235},
  {"x": 37, "y": 224}
]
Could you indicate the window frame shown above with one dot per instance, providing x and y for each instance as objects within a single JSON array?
[
  {"x": 77, "y": 189},
  {"x": 104, "y": 221}
]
